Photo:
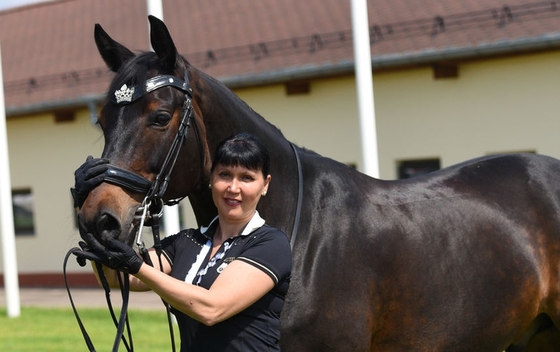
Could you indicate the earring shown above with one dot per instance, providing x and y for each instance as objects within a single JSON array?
[
  {"x": 210, "y": 185},
  {"x": 264, "y": 193}
]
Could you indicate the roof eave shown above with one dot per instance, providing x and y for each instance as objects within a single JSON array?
[
  {"x": 406, "y": 59},
  {"x": 418, "y": 58},
  {"x": 89, "y": 101}
]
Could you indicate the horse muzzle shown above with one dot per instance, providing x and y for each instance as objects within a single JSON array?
[{"x": 109, "y": 212}]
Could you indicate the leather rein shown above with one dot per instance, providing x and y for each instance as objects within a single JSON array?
[{"x": 152, "y": 205}]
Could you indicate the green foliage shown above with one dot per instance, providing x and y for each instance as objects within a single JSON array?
[{"x": 51, "y": 329}]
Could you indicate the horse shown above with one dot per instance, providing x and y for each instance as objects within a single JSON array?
[{"x": 466, "y": 258}]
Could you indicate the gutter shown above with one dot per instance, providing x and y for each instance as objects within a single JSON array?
[{"x": 428, "y": 56}]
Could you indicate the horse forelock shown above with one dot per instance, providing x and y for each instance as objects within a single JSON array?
[{"x": 134, "y": 72}]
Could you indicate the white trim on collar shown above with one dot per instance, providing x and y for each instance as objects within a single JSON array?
[{"x": 253, "y": 224}]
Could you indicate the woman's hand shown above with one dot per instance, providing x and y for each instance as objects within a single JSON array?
[
  {"x": 88, "y": 176},
  {"x": 115, "y": 254}
]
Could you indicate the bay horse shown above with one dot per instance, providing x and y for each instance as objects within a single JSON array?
[{"x": 463, "y": 259}]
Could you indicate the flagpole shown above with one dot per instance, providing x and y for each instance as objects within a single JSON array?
[
  {"x": 11, "y": 283},
  {"x": 170, "y": 214},
  {"x": 364, "y": 87}
]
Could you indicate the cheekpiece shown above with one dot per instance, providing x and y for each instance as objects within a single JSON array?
[{"x": 124, "y": 94}]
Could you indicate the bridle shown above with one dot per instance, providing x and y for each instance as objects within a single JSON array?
[{"x": 152, "y": 205}]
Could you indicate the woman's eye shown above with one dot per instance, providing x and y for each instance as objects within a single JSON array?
[{"x": 247, "y": 178}]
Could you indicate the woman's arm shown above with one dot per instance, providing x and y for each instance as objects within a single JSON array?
[{"x": 235, "y": 289}]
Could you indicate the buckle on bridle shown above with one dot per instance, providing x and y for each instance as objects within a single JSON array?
[{"x": 144, "y": 215}]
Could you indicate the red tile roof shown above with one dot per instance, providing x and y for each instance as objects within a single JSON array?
[{"x": 49, "y": 55}]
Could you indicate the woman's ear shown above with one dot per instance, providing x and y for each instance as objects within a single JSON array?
[{"x": 266, "y": 183}]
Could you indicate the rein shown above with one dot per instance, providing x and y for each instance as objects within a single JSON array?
[{"x": 152, "y": 205}]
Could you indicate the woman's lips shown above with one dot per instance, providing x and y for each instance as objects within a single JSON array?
[{"x": 232, "y": 202}]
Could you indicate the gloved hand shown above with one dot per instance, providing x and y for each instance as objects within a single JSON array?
[
  {"x": 115, "y": 255},
  {"x": 88, "y": 176}
]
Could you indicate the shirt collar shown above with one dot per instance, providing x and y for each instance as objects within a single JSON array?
[{"x": 253, "y": 224}]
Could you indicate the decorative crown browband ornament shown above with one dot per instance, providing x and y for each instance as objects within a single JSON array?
[{"x": 124, "y": 94}]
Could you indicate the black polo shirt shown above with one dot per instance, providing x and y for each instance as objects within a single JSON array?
[{"x": 257, "y": 328}]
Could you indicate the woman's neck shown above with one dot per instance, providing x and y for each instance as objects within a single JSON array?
[
  {"x": 225, "y": 230},
  {"x": 228, "y": 228}
]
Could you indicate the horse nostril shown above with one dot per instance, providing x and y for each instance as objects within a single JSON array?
[{"x": 108, "y": 226}]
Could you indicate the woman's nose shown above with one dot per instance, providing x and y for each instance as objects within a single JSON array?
[{"x": 234, "y": 186}]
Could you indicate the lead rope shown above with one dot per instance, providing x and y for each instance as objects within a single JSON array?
[
  {"x": 125, "y": 291},
  {"x": 123, "y": 320},
  {"x": 87, "y": 339},
  {"x": 146, "y": 257}
]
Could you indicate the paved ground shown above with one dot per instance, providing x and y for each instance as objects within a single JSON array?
[{"x": 90, "y": 298}]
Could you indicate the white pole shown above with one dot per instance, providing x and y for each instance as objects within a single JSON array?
[
  {"x": 155, "y": 8},
  {"x": 170, "y": 214},
  {"x": 11, "y": 283},
  {"x": 364, "y": 86}
]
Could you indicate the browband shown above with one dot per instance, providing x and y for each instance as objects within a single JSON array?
[{"x": 127, "y": 95}]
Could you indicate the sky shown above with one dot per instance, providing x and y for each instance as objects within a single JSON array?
[{"x": 7, "y": 4}]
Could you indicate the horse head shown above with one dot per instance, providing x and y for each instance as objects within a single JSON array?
[{"x": 141, "y": 116}]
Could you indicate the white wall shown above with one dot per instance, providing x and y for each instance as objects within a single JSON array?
[
  {"x": 503, "y": 105},
  {"x": 325, "y": 120},
  {"x": 43, "y": 156}
]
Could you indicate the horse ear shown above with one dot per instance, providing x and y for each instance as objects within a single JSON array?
[
  {"x": 163, "y": 44},
  {"x": 113, "y": 53}
]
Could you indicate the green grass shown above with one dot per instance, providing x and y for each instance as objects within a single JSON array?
[{"x": 51, "y": 329}]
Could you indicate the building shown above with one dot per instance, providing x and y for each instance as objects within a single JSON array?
[{"x": 452, "y": 80}]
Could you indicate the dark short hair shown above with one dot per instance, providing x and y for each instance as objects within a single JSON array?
[{"x": 242, "y": 149}]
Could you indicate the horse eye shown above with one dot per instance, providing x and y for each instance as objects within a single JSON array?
[{"x": 161, "y": 119}]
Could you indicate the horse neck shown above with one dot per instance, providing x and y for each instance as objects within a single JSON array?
[{"x": 224, "y": 114}]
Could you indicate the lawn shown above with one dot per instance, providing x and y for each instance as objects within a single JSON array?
[{"x": 51, "y": 329}]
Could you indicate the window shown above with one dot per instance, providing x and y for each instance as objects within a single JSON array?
[
  {"x": 22, "y": 201},
  {"x": 413, "y": 168}
]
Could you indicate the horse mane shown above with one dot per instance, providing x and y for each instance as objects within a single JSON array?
[{"x": 224, "y": 93}]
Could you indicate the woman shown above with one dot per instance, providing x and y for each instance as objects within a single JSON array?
[{"x": 226, "y": 283}]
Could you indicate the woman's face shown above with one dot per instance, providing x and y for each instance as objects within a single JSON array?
[{"x": 236, "y": 191}]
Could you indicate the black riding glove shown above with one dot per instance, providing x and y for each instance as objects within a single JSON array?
[
  {"x": 88, "y": 176},
  {"x": 115, "y": 254}
]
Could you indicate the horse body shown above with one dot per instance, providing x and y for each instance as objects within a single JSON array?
[{"x": 463, "y": 259}]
